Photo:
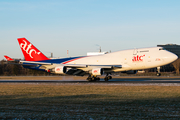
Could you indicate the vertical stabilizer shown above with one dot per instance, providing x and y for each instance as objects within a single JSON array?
[{"x": 30, "y": 52}]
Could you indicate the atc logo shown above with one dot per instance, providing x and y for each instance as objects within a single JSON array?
[
  {"x": 95, "y": 71},
  {"x": 27, "y": 48},
  {"x": 58, "y": 69},
  {"x": 138, "y": 58}
]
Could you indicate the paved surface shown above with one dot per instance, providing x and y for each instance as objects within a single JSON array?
[{"x": 132, "y": 80}]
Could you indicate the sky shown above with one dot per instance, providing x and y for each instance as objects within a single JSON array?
[{"x": 81, "y": 26}]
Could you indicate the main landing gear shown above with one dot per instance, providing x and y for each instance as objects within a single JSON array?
[
  {"x": 107, "y": 77},
  {"x": 158, "y": 71},
  {"x": 93, "y": 78}
]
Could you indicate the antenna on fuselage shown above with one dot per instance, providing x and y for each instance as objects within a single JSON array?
[
  {"x": 99, "y": 47},
  {"x": 67, "y": 53}
]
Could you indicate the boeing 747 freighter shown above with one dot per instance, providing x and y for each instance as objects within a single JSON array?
[{"x": 128, "y": 61}]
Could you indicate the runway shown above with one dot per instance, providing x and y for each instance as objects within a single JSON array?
[{"x": 116, "y": 80}]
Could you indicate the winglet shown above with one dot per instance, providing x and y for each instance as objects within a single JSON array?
[
  {"x": 8, "y": 58},
  {"x": 30, "y": 52}
]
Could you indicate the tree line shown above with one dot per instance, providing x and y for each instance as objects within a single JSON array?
[{"x": 19, "y": 70}]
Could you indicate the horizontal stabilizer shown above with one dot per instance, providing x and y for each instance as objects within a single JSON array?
[{"x": 8, "y": 58}]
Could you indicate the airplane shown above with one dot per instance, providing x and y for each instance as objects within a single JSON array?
[{"x": 125, "y": 61}]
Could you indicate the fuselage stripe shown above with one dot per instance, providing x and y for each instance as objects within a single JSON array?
[{"x": 71, "y": 60}]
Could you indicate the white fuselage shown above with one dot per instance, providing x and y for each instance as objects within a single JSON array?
[
  {"x": 133, "y": 59},
  {"x": 126, "y": 60}
]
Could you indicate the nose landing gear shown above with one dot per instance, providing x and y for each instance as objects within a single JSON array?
[{"x": 158, "y": 73}]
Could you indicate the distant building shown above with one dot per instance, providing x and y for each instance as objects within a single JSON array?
[{"x": 172, "y": 48}]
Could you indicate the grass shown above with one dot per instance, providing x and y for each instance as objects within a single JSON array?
[{"x": 64, "y": 101}]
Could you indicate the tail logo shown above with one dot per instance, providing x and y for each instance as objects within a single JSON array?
[{"x": 27, "y": 48}]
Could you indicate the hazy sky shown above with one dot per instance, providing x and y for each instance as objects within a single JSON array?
[{"x": 80, "y": 25}]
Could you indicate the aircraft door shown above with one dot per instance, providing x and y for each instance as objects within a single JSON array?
[
  {"x": 138, "y": 59},
  {"x": 135, "y": 51}
]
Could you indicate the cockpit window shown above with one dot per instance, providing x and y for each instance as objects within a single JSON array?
[{"x": 162, "y": 49}]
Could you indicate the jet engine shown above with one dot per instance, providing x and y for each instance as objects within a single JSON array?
[
  {"x": 97, "y": 71},
  {"x": 60, "y": 70}
]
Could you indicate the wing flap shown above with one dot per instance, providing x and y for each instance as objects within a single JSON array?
[
  {"x": 107, "y": 66},
  {"x": 37, "y": 63}
]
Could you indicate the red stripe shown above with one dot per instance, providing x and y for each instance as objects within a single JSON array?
[{"x": 71, "y": 60}]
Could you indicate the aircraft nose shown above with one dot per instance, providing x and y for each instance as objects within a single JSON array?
[
  {"x": 174, "y": 57},
  {"x": 171, "y": 57}
]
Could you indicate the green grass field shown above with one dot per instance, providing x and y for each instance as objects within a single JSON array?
[{"x": 65, "y": 101}]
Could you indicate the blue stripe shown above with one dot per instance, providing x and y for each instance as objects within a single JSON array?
[{"x": 59, "y": 61}]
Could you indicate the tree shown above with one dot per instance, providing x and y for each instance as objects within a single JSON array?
[
  {"x": 176, "y": 65},
  {"x": 11, "y": 69}
]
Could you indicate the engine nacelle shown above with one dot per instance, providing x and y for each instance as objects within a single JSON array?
[
  {"x": 97, "y": 71},
  {"x": 130, "y": 72},
  {"x": 60, "y": 69}
]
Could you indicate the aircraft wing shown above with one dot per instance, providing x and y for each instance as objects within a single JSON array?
[
  {"x": 71, "y": 69},
  {"x": 71, "y": 65}
]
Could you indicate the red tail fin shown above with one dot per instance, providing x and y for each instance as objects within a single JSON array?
[
  {"x": 31, "y": 53},
  {"x": 8, "y": 58}
]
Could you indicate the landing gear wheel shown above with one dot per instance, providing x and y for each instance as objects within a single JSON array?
[
  {"x": 89, "y": 79},
  {"x": 98, "y": 79},
  {"x": 93, "y": 78},
  {"x": 106, "y": 79},
  {"x": 158, "y": 71},
  {"x": 158, "y": 74},
  {"x": 109, "y": 77}
]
